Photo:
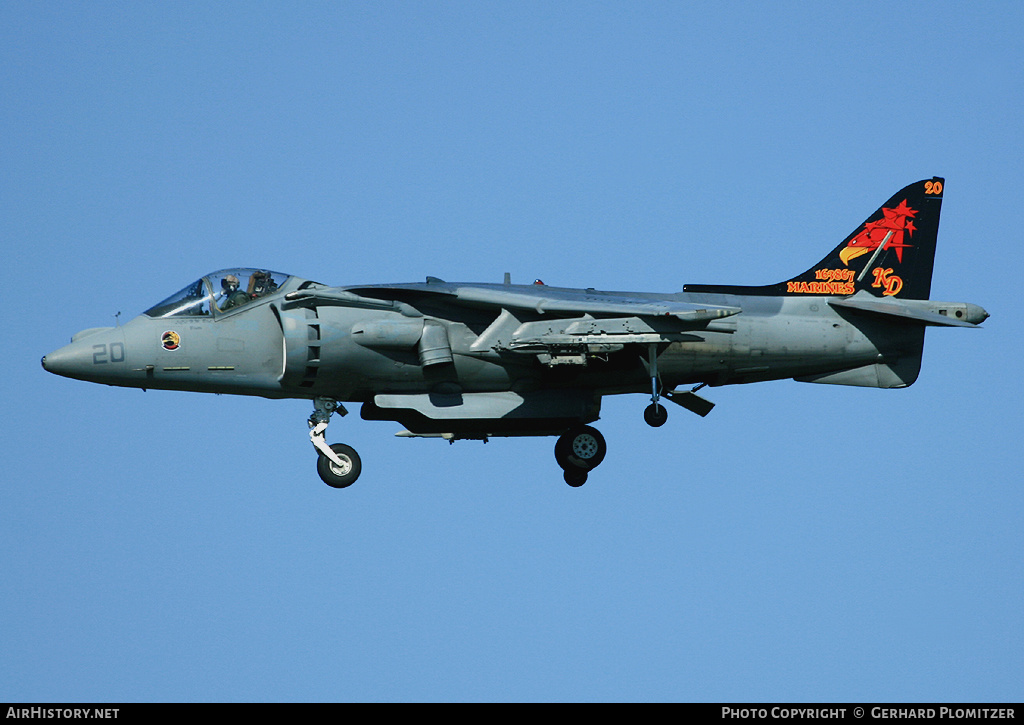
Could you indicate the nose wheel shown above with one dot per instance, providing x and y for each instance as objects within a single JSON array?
[
  {"x": 343, "y": 472},
  {"x": 579, "y": 451},
  {"x": 338, "y": 465}
]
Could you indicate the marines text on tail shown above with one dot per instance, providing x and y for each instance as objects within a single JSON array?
[{"x": 454, "y": 360}]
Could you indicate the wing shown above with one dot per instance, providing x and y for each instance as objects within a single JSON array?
[
  {"x": 556, "y": 301},
  {"x": 561, "y": 326}
]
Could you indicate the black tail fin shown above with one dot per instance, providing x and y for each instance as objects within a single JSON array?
[{"x": 891, "y": 254}]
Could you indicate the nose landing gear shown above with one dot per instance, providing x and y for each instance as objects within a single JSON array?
[
  {"x": 343, "y": 472},
  {"x": 338, "y": 465}
]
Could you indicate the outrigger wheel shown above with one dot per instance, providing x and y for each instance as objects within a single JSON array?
[
  {"x": 579, "y": 451},
  {"x": 655, "y": 415}
]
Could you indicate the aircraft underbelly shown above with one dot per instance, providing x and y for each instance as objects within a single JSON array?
[
  {"x": 486, "y": 414},
  {"x": 767, "y": 347}
]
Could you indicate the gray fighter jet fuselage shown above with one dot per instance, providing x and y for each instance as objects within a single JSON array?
[{"x": 479, "y": 360}]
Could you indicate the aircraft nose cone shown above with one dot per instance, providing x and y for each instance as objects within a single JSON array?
[
  {"x": 70, "y": 361},
  {"x": 96, "y": 354}
]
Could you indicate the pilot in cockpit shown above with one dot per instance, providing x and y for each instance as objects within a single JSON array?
[{"x": 231, "y": 296}]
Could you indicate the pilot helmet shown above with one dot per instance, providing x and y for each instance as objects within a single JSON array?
[{"x": 229, "y": 283}]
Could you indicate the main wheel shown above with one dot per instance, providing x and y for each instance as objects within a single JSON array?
[
  {"x": 581, "y": 448},
  {"x": 655, "y": 415},
  {"x": 344, "y": 475},
  {"x": 575, "y": 478}
]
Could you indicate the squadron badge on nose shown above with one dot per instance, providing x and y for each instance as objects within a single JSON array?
[{"x": 171, "y": 340}]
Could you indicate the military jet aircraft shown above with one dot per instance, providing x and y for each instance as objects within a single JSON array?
[{"x": 472, "y": 361}]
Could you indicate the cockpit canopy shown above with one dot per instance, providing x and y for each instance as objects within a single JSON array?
[{"x": 219, "y": 292}]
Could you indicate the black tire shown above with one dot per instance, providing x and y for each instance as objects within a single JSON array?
[
  {"x": 582, "y": 448},
  {"x": 334, "y": 476},
  {"x": 655, "y": 415},
  {"x": 575, "y": 478}
]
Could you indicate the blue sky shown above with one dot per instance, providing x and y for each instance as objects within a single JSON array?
[{"x": 801, "y": 543}]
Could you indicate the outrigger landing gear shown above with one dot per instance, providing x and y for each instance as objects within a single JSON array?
[
  {"x": 338, "y": 465},
  {"x": 579, "y": 451},
  {"x": 655, "y": 414}
]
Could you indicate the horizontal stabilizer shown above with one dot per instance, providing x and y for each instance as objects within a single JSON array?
[{"x": 924, "y": 312}]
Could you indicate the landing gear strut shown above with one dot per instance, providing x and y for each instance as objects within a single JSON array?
[
  {"x": 579, "y": 451},
  {"x": 338, "y": 465},
  {"x": 655, "y": 414}
]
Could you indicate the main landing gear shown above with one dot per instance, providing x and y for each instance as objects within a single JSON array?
[
  {"x": 579, "y": 451},
  {"x": 338, "y": 464}
]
